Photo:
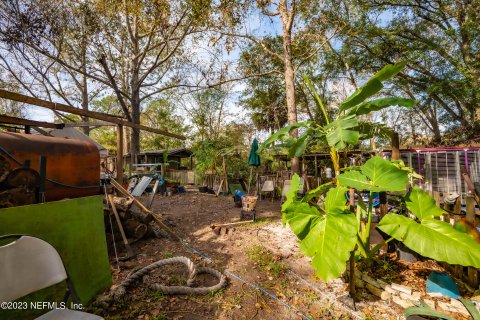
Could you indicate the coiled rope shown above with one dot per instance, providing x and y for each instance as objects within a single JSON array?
[{"x": 193, "y": 270}]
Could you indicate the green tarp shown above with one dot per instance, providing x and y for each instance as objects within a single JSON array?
[{"x": 75, "y": 227}]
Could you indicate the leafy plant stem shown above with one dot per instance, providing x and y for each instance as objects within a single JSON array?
[
  {"x": 369, "y": 222},
  {"x": 360, "y": 246},
  {"x": 336, "y": 162},
  {"x": 317, "y": 97},
  {"x": 352, "y": 274},
  {"x": 375, "y": 249}
]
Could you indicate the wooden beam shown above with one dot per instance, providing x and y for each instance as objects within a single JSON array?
[
  {"x": 89, "y": 124},
  {"x": 91, "y": 114},
  {"x": 26, "y": 122},
  {"x": 119, "y": 165}
]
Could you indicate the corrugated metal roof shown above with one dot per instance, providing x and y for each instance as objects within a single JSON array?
[{"x": 72, "y": 133}]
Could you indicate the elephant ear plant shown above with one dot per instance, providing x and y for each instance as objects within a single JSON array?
[
  {"x": 331, "y": 233},
  {"x": 344, "y": 128}
]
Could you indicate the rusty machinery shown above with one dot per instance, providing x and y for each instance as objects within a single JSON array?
[{"x": 35, "y": 168}]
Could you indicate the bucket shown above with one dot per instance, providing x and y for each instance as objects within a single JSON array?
[{"x": 249, "y": 203}]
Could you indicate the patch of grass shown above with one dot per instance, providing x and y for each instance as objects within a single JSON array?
[
  {"x": 233, "y": 300},
  {"x": 161, "y": 316},
  {"x": 167, "y": 254},
  {"x": 266, "y": 260},
  {"x": 157, "y": 295},
  {"x": 310, "y": 297},
  {"x": 176, "y": 280},
  {"x": 212, "y": 293}
]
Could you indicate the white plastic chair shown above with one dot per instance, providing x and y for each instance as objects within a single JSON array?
[
  {"x": 268, "y": 187},
  {"x": 30, "y": 264}
]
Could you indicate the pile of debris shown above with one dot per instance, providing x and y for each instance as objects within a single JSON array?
[{"x": 134, "y": 220}]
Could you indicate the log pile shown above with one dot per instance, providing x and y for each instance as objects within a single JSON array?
[
  {"x": 135, "y": 222},
  {"x": 19, "y": 186}
]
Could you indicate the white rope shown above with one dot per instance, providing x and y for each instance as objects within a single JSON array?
[{"x": 139, "y": 276}]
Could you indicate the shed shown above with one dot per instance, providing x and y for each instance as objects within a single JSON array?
[{"x": 175, "y": 157}]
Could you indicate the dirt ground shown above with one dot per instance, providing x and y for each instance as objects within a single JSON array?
[{"x": 261, "y": 253}]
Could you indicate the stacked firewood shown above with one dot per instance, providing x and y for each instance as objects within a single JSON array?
[
  {"x": 136, "y": 223},
  {"x": 18, "y": 186}
]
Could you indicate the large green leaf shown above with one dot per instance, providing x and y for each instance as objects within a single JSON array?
[
  {"x": 376, "y": 175},
  {"x": 354, "y": 179},
  {"x": 389, "y": 71},
  {"x": 292, "y": 201},
  {"x": 433, "y": 239},
  {"x": 328, "y": 238},
  {"x": 374, "y": 129},
  {"x": 330, "y": 242},
  {"x": 422, "y": 205},
  {"x": 339, "y": 135},
  {"x": 373, "y": 85},
  {"x": 302, "y": 219},
  {"x": 282, "y": 132},
  {"x": 384, "y": 176},
  {"x": 379, "y": 104},
  {"x": 316, "y": 96},
  {"x": 297, "y": 149},
  {"x": 335, "y": 199},
  {"x": 425, "y": 310},
  {"x": 316, "y": 192}
]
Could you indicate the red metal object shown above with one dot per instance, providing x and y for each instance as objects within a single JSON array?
[{"x": 73, "y": 166}]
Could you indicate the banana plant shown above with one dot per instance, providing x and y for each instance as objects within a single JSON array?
[
  {"x": 330, "y": 233},
  {"x": 345, "y": 129}
]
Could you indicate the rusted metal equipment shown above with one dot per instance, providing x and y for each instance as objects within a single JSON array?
[{"x": 72, "y": 166}]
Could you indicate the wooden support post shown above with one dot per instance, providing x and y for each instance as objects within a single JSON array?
[
  {"x": 470, "y": 216},
  {"x": 119, "y": 165},
  {"x": 458, "y": 271},
  {"x": 436, "y": 196},
  {"x": 383, "y": 204},
  {"x": 224, "y": 165},
  {"x": 458, "y": 206},
  {"x": 473, "y": 277}
]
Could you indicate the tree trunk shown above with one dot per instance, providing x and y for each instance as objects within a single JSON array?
[
  {"x": 135, "y": 87},
  {"x": 287, "y": 22},
  {"x": 135, "y": 136},
  {"x": 86, "y": 130}
]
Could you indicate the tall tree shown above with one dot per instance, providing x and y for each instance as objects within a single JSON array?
[
  {"x": 160, "y": 113},
  {"x": 438, "y": 39},
  {"x": 67, "y": 31},
  {"x": 291, "y": 30},
  {"x": 134, "y": 48}
]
